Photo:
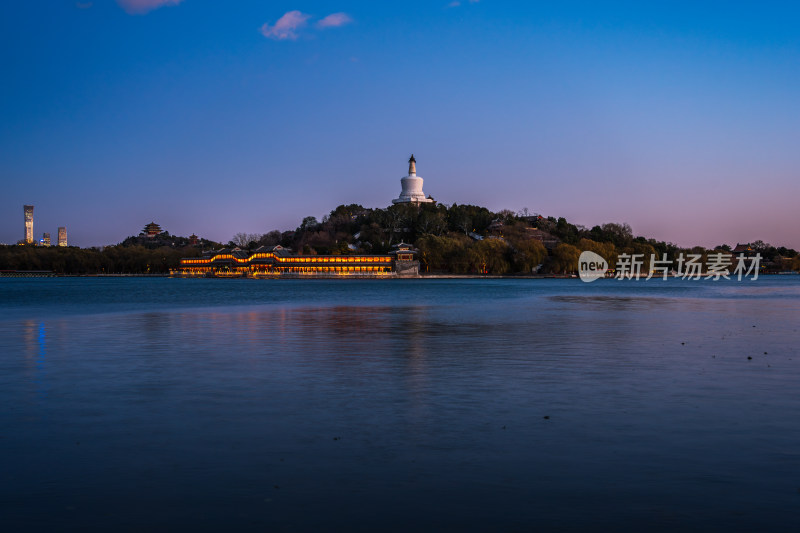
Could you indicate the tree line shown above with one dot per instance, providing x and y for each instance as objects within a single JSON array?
[
  {"x": 107, "y": 260},
  {"x": 464, "y": 239},
  {"x": 456, "y": 239}
]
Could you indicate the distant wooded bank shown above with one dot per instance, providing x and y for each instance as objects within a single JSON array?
[{"x": 457, "y": 239}]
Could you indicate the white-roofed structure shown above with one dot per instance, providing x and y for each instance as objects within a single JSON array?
[{"x": 412, "y": 186}]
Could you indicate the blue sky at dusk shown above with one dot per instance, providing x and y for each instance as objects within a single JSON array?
[{"x": 212, "y": 117}]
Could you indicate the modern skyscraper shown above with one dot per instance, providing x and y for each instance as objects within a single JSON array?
[
  {"x": 45, "y": 239},
  {"x": 62, "y": 236},
  {"x": 28, "y": 224}
]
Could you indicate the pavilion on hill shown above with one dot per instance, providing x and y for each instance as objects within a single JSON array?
[{"x": 151, "y": 230}]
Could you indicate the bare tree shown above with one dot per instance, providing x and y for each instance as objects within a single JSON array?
[
  {"x": 240, "y": 240},
  {"x": 431, "y": 223},
  {"x": 464, "y": 223},
  {"x": 243, "y": 240},
  {"x": 396, "y": 220}
]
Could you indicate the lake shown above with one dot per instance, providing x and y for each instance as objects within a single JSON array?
[{"x": 133, "y": 404}]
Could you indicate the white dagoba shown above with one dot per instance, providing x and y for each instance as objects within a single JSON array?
[{"x": 412, "y": 186}]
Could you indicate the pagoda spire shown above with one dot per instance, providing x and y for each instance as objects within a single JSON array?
[{"x": 412, "y": 165}]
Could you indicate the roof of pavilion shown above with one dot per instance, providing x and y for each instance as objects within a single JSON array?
[{"x": 742, "y": 248}]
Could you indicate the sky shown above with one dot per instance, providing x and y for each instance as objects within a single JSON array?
[{"x": 216, "y": 117}]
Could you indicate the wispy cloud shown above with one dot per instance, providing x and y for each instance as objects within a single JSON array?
[
  {"x": 456, "y": 3},
  {"x": 140, "y": 7},
  {"x": 83, "y": 5},
  {"x": 286, "y": 27},
  {"x": 334, "y": 20}
]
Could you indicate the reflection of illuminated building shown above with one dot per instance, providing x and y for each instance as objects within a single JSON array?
[
  {"x": 28, "y": 223},
  {"x": 62, "y": 236},
  {"x": 276, "y": 261}
]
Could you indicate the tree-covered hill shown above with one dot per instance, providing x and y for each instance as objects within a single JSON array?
[
  {"x": 462, "y": 239},
  {"x": 456, "y": 239}
]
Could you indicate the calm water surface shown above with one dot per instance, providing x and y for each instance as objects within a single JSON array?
[{"x": 454, "y": 405}]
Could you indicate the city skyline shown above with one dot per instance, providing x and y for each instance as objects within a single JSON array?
[{"x": 214, "y": 119}]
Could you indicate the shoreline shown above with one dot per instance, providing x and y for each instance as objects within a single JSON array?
[{"x": 39, "y": 274}]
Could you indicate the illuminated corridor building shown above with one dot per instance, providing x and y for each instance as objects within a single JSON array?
[{"x": 277, "y": 262}]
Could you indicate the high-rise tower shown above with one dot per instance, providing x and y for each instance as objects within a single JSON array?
[
  {"x": 62, "y": 236},
  {"x": 28, "y": 224}
]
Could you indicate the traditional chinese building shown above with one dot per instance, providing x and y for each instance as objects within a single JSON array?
[
  {"x": 151, "y": 230},
  {"x": 279, "y": 262},
  {"x": 405, "y": 263},
  {"x": 403, "y": 252}
]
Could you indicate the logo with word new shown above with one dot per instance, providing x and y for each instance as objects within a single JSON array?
[{"x": 591, "y": 266}]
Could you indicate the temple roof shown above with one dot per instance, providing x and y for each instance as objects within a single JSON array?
[
  {"x": 277, "y": 250},
  {"x": 742, "y": 248}
]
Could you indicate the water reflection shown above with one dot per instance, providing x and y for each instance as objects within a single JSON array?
[
  {"x": 41, "y": 362},
  {"x": 385, "y": 414},
  {"x": 623, "y": 303},
  {"x": 30, "y": 341}
]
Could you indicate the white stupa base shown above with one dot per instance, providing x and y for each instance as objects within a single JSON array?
[
  {"x": 412, "y": 191},
  {"x": 418, "y": 200}
]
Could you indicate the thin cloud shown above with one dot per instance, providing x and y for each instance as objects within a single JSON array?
[
  {"x": 140, "y": 7},
  {"x": 286, "y": 27},
  {"x": 334, "y": 20},
  {"x": 83, "y": 5},
  {"x": 456, "y": 3}
]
